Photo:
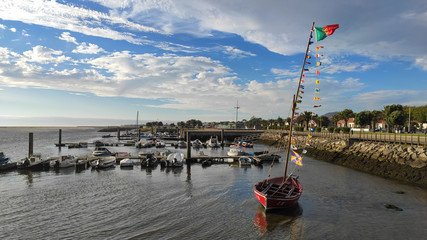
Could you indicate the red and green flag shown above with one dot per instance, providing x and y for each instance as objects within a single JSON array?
[{"x": 322, "y": 33}]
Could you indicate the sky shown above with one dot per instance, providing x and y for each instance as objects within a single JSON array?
[{"x": 99, "y": 62}]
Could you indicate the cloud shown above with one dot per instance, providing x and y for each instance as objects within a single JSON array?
[
  {"x": 25, "y": 34},
  {"x": 237, "y": 53},
  {"x": 2, "y": 26},
  {"x": 66, "y": 36},
  {"x": 44, "y": 55},
  {"x": 72, "y": 18},
  {"x": 12, "y": 29},
  {"x": 88, "y": 48},
  {"x": 421, "y": 62}
]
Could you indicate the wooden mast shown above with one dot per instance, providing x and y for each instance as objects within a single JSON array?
[{"x": 294, "y": 104}]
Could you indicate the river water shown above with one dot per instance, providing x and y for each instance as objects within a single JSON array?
[{"x": 216, "y": 202}]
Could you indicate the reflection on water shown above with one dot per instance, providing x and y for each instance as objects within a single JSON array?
[{"x": 286, "y": 219}]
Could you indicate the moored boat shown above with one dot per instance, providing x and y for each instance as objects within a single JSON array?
[
  {"x": 127, "y": 163},
  {"x": 63, "y": 162},
  {"x": 3, "y": 159},
  {"x": 103, "y": 162},
  {"x": 274, "y": 193},
  {"x": 213, "y": 142},
  {"x": 233, "y": 152},
  {"x": 245, "y": 161},
  {"x": 101, "y": 151},
  {"x": 174, "y": 160},
  {"x": 34, "y": 162}
]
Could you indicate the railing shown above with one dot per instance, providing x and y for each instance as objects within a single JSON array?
[{"x": 397, "y": 138}]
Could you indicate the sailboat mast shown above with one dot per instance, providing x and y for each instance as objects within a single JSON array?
[{"x": 294, "y": 101}]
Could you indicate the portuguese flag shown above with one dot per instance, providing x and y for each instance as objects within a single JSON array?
[{"x": 322, "y": 33}]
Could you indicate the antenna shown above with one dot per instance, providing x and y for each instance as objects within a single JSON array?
[{"x": 237, "y": 111}]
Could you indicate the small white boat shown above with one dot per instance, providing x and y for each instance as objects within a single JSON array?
[
  {"x": 213, "y": 142},
  {"x": 144, "y": 143},
  {"x": 101, "y": 151},
  {"x": 104, "y": 162},
  {"x": 174, "y": 160},
  {"x": 234, "y": 152},
  {"x": 197, "y": 143},
  {"x": 160, "y": 144},
  {"x": 127, "y": 162},
  {"x": 34, "y": 162},
  {"x": 63, "y": 162},
  {"x": 245, "y": 161}
]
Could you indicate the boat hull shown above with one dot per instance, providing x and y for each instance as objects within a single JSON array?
[{"x": 271, "y": 196}]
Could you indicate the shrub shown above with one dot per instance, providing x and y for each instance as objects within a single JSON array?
[
  {"x": 318, "y": 129},
  {"x": 345, "y": 129},
  {"x": 331, "y": 129},
  {"x": 337, "y": 130}
]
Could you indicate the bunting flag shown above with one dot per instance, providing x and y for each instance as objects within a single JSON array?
[
  {"x": 317, "y": 81},
  {"x": 301, "y": 86},
  {"x": 293, "y": 141},
  {"x": 305, "y": 69},
  {"x": 312, "y": 122},
  {"x": 316, "y": 90},
  {"x": 293, "y": 147},
  {"x": 322, "y": 33},
  {"x": 319, "y": 47},
  {"x": 318, "y": 63},
  {"x": 304, "y": 151},
  {"x": 308, "y": 63},
  {"x": 308, "y": 56},
  {"x": 298, "y": 101},
  {"x": 296, "y": 108},
  {"x": 318, "y": 72},
  {"x": 303, "y": 76},
  {"x": 296, "y": 158},
  {"x": 301, "y": 91},
  {"x": 311, "y": 42},
  {"x": 299, "y": 96},
  {"x": 313, "y": 114},
  {"x": 296, "y": 113},
  {"x": 302, "y": 81},
  {"x": 309, "y": 136},
  {"x": 319, "y": 55},
  {"x": 316, "y": 106},
  {"x": 307, "y": 143},
  {"x": 316, "y": 98}
]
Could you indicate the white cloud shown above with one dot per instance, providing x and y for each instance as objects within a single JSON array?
[
  {"x": 88, "y": 48},
  {"x": 25, "y": 34},
  {"x": 68, "y": 17},
  {"x": 237, "y": 53},
  {"x": 421, "y": 62},
  {"x": 12, "y": 29},
  {"x": 2, "y": 26},
  {"x": 66, "y": 36},
  {"x": 44, "y": 55}
]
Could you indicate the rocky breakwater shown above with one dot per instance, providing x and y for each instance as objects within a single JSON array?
[{"x": 400, "y": 162}]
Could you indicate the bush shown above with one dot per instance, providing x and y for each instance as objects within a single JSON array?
[
  {"x": 337, "y": 130},
  {"x": 345, "y": 129},
  {"x": 298, "y": 128},
  {"x": 318, "y": 129},
  {"x": 331, "y": 129}
]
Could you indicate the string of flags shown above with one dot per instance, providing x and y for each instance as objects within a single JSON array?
[{"x": 320, "y": 34}]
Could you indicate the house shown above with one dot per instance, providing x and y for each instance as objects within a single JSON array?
[
  {"x": 350, "y": 123},
  {"x": 381, "y": 124}
]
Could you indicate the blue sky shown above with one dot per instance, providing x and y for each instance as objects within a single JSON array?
[{"x": 99, "y": 62}]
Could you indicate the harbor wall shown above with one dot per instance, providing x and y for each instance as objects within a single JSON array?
[{"x": 404, "y": 163}]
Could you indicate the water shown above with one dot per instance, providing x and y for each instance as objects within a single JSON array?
[{"x": 216, "y": 202}]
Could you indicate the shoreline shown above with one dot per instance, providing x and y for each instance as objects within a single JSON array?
[{"x": 404, "y": 163}]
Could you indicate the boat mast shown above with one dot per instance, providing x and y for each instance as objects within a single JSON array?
[{"x": 294, "y": 104}]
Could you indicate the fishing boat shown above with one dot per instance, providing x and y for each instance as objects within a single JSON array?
[
  {"x": 160, "y": 144},
  {"x": 3, "y": 159},
  {"x": 101, "y": 151},
  {"x": 149, "y": 162},
  {"x": 234, "y": 152},
  {"x": 245, "y": 161},
  {"x": 63, "y": 162},
  {"x": 103, "y": 162},
  {"x": 213, "y": 142},
  {"x": 127, "y": 163},
  {"x": 197, "y": 143},
  {"x": 284, "y": 191},
  {"x": 174, "y": 160},
  {"x": 34, "y": 162}
]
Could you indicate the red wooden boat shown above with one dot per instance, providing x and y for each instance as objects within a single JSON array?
[{"x": 274, "y": 194}]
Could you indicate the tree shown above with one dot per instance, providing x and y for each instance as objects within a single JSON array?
[
  {"x": 388, "y": 112},
  {"x": 336, "y": 118},
  {"x": 322, "y": 121},
  {"x": 346, "y": 114},
  {"x": 304, "y": 118},
  {"x": 376, "y": 116},
  {"x": 363, "y": 118}
]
